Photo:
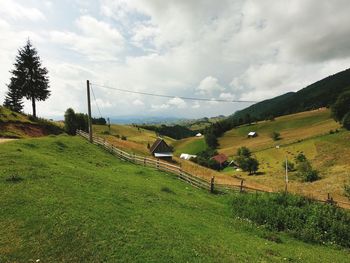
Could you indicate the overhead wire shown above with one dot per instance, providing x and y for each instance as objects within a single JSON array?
[
  {"x": 173, "y": 96},
  {"x": 98, "y": 108}
]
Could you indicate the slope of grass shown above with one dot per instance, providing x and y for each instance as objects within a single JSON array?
[
  {"x": 64, "y": 200},
  {"x": 136, "y": 141},
  {"x": 192, "y": 145},
  {"x": 291, "y": 127},
  {"x": 17, "y": 125}
]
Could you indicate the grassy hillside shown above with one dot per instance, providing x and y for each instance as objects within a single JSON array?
[
  {"x": 306, "y": 132},
  {"x": 136, "y": 141},
  {"x": 291, "y": 127},
  {"x": 17, "y": 125},
  {"x": 192, "y": 145},
  {"x": 76, "y": 203},
  {"x": 319, "y": 94}
]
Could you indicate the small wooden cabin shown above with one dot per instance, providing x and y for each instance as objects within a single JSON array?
[
  {"x": 160, "y": 149},
  {"x": 252, "y": 134},
  {"x": 220, "y": 159}
]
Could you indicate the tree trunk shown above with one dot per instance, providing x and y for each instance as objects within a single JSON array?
[{"x": 34, "y": 109}]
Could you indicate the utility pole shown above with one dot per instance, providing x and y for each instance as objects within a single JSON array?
[
  {"x": 89, "y": 110},
  {"x": 286, "y": 189}
]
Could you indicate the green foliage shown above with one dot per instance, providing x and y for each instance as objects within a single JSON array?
[
  {"x": 29, "y": 78},
  {"x": 305, "y": 170},
  {"x": 124, "y": 138},
  {"x": 176, "y": 132},
  {"x": 304, "y": 219},
  {"x": 347, "y": 190},
  {"x": 13, "y": 99},
  {"x": 244, "y": 152},
  {"x": 70, "y": 124},
  {"x": 245, "y": 161},
  {"x": 99, "y": 121},
  {"x": 346, "y": 121},
  {"x": 204, "y": 158},
  {"x": 276, "y": 136},
  {"x": 211, "y": 139},
  {"x": 300, "y": 158},
  {"x": 290, "y": 166},
  {"x": 341, "y": 106},
  {"x": 81, "y": 121}
]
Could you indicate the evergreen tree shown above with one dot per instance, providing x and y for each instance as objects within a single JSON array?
[
  {"x": 13, "y": 99},
  {"x": 29, "y": 76},
  {"x": 70, "y": 123}
]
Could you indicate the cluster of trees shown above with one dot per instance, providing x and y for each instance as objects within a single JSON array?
[
  {"x": 303, "y": 168},
  {"x": 204, "y": 158},
  {"x": 176, "y": 132},
  {"x": 79, "y": 121},
  {"x": 29, "y": 80},
  {"x": 245, "y": 161},
  {"x": 341, "y": 109}
]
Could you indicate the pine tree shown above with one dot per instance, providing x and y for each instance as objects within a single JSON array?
[
  {"x": 29, "y": 76},
  {"x": 13, "y": 99}
]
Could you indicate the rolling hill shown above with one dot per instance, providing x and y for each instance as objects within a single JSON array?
[
  {"x": 77, "y": 203},
  {"x": 319, "y": 94},
  {"x": 313, "y": 133}
]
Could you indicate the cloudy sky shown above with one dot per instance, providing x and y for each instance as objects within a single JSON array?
[{"x": 228, "y": 49}]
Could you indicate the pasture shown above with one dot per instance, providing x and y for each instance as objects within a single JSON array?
[{"x": 77, "y": 203}]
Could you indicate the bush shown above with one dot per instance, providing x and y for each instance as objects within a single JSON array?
[
  {"x": 244, "y": 152},
  {"x": 341, "y": 107},
  {"x": 290, "y": 166},
  {"x": 299, "y": 216},
  {"x": 300, "y": 158},
  {"x": 276, "y": 136},
  {"x": 347, "y": 191},
  {"x": 70, "y": 122},
  {"x": 124, "y": 138},
  {"x": 346, "y": 121},
  {"x": 305, "y": 171}
]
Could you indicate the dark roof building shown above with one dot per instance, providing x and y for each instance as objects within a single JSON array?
[{"x": 161, "y": 149}]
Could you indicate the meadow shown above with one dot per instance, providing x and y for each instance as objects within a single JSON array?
[{"x": 77, "y": 203}]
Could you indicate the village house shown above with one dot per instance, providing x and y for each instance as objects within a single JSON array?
[
  {"x": 160, "y": 149},
  {"x": 220, "y": 159},
  {"x": 252, "y": 134}
]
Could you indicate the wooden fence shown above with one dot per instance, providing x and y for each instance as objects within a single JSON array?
[{"x": 186, "y": 176}]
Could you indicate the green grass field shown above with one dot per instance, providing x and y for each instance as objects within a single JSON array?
[
  {"x": 64, "y": 200},
  {"x": 192, "y": 145}
]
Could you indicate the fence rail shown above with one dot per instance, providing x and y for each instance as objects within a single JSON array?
[{"x": 186, "y": 176}]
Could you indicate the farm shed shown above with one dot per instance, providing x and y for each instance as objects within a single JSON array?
[
  {"x": 252, "y": 134},
  {"x": 160, "y": 149},
  {"x": 220, "y": 159}
]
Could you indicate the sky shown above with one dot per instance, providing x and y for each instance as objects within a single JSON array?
[{"x": 236, "y": 50}]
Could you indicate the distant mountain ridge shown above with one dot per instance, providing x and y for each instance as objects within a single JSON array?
[{"x": 319, "y": 94}]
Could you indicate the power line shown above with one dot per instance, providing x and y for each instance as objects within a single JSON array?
[
  {"x": 172, "y": 96},
  {"x": 93, "y": 93}
]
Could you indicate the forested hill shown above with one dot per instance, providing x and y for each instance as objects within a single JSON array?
[{"x": 319, "y": 94}]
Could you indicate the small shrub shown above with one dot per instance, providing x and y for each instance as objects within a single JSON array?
[
  {"x": 14, "y": 179},
  {"x": 124, "y": 138},
  {"x": 167, "y": 190},
  {"x": 300, "y": 158},
  {"x": 290, "y": 166},
  {"x": 276, "y": 136},
  {"x": 331, "y": 132},
  {"x": 347, "y": 191}
]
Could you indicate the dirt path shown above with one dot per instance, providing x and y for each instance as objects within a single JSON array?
[{"x": 2, "y": 140}]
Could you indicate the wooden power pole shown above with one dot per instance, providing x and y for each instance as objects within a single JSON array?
[{"x": 89, "y": 110}]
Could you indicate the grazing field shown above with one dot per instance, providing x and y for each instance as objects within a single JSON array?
[
  {"x": 307, "y": 133},
  {"x": 292, "y": 128},
  {"x": 136, "y": 141},
  {"x": 65, "y": 200},
  {"x": 192, "y": 145}
]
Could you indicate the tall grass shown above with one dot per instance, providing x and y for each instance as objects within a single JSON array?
[{"x": 299, "y": 216}]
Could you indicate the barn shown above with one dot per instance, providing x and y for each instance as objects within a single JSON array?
[
  {"x": 160, "y": 149},
  {"x": 220, "y": 159}
]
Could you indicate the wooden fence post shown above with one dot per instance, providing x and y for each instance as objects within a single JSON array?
[
  {"x": 158, "y": 163},
  {"x": 212, "y": 184},
  {"x": 144, "y": 161},
  {"x": 241, "y": 187}
]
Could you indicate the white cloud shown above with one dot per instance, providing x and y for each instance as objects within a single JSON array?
[
  {"x": 209, "y": 85},
  {"x": 177, "y": 102},
  {"x": 227, "y": 96},
  {"x": 16, "y": 11},
  {"x": 138, "y": 102},
  {"x": 97, "y": 41}
]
